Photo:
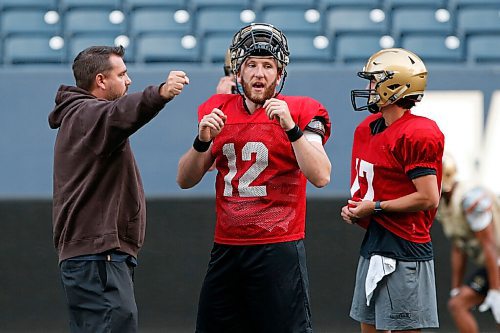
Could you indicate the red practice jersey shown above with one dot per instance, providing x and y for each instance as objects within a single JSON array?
[
  {"x": 260, "y": 190},
  {"x": 380, "y": 164}
]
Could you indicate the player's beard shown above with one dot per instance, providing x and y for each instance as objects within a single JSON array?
[{"x": 258, "y": 98}]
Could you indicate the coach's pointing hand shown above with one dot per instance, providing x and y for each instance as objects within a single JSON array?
[{"x": 175, "y": 83}]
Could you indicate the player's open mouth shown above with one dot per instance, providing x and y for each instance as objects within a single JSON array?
[{"x": 258, "y": 85}]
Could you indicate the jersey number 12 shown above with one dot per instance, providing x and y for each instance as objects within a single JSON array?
[{"x": 261, "y": 163}]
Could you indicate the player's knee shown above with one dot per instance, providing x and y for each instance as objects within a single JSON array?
[{"x": 455, "y": 304}]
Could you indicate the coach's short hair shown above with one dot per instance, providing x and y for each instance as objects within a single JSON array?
[{"x": 92, "y": 61}]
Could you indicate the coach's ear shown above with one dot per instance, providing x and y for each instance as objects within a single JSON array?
[{"x": 99, "y": 81}]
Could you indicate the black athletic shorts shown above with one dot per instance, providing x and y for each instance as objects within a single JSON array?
[
  {"x": 478, "y": 281},
  {"x": 257, "y": 289}
]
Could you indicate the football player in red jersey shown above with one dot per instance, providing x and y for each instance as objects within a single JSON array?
[
  {"x": 396, "y": 170},
  {"x": 266, "y": 146}
]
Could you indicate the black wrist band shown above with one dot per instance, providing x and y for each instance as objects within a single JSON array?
[
  {"x": 294, "y": 134},
  {"x": 201, "y": 146},
  {"x": 378, "y": 208}
]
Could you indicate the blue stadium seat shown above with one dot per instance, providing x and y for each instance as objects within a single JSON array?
[
  {"x": 80, "y": 42},
  {"x": 472, "y": 20},
  {"x": 391, "y": 4},
  {"x": 145, "y": 20},
  {"x": 346, "y": 19},
  {"x": 217, "y": 20},
  {"x": 262, "y": 4},
  {"x": 164, "y": 48},
  {"x": 432, "y": 48},
  {"x": 302, "y": 49},
  {"x": 196, "y": 4},
  {"x": 44, "y": 4},
  {"x": 134, "y": 4},
  {"x": 325, "y": 4},
  {"x": 419, "y": 20},
  {"x": 215, "y": 47},
  {"x": 356, "y": 48},
  {"x": 473, "y": 3},
  {"x": 108, "y": 4},
  {"x": 81, "y": 21},
  {"x": 290, "y": 19},
  {"x": 31, "y": 50},
  {"x": 483, "y": 49},
  {"x": 27, "y": 21}
]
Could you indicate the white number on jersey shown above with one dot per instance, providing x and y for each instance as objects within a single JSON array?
[
  {"x": 363, "y": 170},
  {"x": 261, "y": 163}
]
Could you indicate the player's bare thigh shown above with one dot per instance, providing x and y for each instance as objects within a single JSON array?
[{"x": 466, "y": 298}]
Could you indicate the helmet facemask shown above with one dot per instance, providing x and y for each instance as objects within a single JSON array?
[{"x": 371, "y": 95}]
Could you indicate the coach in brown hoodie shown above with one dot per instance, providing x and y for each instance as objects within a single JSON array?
[{"x": 99, "y": 209}]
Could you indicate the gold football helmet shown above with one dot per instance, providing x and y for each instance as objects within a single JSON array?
[
  {"x": 394, "y": 74},
  {"x": 227, "y": 63},
  {"x": 449, "y": 173}
]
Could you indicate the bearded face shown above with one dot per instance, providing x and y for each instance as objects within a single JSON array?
[
  {"x": 116, "y": 79},
  {"x": 258, "y": 92},
  {"x": 259, "y": 78}
]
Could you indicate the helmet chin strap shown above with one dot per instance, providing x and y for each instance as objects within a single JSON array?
[
  {"x": 374, "y": 108},
  {"x": 242, "y": 94},
  {"x": 282, "y": 82}
]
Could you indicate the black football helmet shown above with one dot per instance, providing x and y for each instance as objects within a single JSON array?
[{"x": 259, "y": 39}]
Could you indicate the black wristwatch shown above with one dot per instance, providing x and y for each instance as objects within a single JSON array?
[{"x": 378, "y": 208}]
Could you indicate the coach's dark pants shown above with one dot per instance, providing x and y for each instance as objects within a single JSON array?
[{"x": 100, "y": 296}]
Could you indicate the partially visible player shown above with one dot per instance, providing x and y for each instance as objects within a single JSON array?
[
  {"x": 227, "y": 83},
  {"x": 395, "y": 185},
  {"x": 470, "y": 216},
  {"x": 266, "y": 147}
]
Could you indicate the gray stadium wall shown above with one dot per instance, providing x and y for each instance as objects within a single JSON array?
[{"x": 180, "y": 223}]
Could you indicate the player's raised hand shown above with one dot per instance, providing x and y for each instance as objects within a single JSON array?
[
  {"x": 211, "y": 125},
  {"x": 174, "y": 84},
  {"x": 226, "y": 85},
  {"x": 278, "y": 109}
]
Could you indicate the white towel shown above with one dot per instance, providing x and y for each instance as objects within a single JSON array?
[{"x": 379, "y": 267}]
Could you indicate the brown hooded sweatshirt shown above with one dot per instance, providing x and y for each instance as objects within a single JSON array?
[{"x": 98, "y": 202}]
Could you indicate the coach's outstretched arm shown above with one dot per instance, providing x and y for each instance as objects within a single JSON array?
[{"x": 197, "y": 160}]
